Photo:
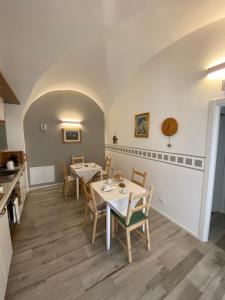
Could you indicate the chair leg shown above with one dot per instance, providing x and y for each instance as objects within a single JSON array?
[
  {"x": 86, "y": 215},
  {"x": 129, "y": 252},
  {"x": 94, "y": 228},
  {"x": 147, "y": 235}
]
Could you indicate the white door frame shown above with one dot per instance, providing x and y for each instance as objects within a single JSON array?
[{"x": 210, "y": 166}]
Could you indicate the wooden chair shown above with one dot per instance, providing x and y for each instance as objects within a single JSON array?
[
  {"x": 77, "y": 159},
  {"x": 69, "y": 185},
  {"x": 105, "y": 172},
  {"x": 138, "y": 177},
  {"x": 98, "y": 210},
  {"x": 134, "y": 219}
]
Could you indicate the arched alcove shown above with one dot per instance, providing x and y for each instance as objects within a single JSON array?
[{"x": 47, "y": 148}]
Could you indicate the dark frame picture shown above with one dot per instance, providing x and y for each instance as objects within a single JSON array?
[{"x": 71, "y": 135}]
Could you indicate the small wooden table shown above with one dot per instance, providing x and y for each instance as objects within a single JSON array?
[
  {"x": 86, "y": 171},
  {"x": 116, "y": 201}
]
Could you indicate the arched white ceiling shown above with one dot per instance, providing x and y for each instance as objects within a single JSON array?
[{"x": 92, "y": 46}]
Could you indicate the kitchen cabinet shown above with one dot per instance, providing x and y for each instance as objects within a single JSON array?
[
  {"x": 3, "y": 279},
  {"x": 6, "y": 93},
  {"x": 5, "y": 251},
  {"x": 2, "y": 114},
  {"x": 20, "y": 185}
]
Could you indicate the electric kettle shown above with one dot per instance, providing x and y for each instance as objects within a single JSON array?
[{"x": 10, "y": 165}]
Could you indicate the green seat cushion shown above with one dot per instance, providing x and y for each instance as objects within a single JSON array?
[{"x": 135, "y": 218}]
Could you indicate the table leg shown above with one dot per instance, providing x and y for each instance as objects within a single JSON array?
[
  {"x": 77, "y": 179},
  {"x": 101, "y": 174},
  {"x": 143, "y": 226},
  {"x": 108, "y": 226}
]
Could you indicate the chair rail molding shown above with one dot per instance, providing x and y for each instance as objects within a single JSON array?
[{"x": 179, "y": 159}]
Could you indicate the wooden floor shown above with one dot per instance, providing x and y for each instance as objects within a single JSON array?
[{"x": 54, "y": 259}]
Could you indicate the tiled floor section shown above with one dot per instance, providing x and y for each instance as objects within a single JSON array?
[{"x": 54, "y": 259}]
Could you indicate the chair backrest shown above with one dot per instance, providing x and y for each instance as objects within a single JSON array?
[
  {"x": 89, "y": 194},
  {"x": 136, "y": 203},
  {"x": 138, "y": 177},
  {"x": 77, "y": 159},
  {"x": 108, "y": 162},
  {"x": 64, "y": 170}
]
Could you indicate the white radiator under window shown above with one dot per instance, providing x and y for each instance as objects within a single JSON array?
[{"x": 40, "y": 175}]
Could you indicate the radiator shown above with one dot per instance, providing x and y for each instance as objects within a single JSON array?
[{"x": 40, "y": 175}]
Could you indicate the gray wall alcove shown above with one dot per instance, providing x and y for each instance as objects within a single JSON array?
[{"x": 47, "y": 148}]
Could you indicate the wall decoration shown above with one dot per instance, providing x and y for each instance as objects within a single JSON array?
[
  {"x": 43, "y": 127},
  {"x": 142, "y": 125},
  {"x": 115, "y": 139},
  {"x": 71, "y": 135},
  {"x": 189, "y": 161},
  {"x": 169, "y": 127}
]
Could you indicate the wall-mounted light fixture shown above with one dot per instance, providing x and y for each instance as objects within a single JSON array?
[
  {"x": 43, "y": 127},
  {"x": 216, "y": 72},
  {"x": 71, "y": 123}
]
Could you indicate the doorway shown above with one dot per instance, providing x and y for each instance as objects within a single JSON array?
[
  {"x": 217, "y": 223},
  {"x": 213, "y": 194}
]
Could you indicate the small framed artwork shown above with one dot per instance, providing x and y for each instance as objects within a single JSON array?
[
  {"x": 141, "y": 128},
  {"x": 71, "y": 135}
]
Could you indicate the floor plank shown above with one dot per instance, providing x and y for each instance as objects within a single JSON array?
[{"x": 54, "y": 259}]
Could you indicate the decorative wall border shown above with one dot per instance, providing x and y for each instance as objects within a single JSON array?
[{"x": 178, "y": 159}]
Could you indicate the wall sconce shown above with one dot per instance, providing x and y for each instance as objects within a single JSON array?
[
  {"x": 115, "y": 139},
  {"x": 43, "y": 127},
  {"x": 216, "y": 72},
  {"x": 71, "y": 123}
]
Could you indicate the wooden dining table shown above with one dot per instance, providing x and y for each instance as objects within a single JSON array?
[
  {"x": 85, "y": 170},
  {"x": 115, "y": 200}
]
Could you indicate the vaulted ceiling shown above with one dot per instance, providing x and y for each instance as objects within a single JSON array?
[{"x": 92, "y": 46}]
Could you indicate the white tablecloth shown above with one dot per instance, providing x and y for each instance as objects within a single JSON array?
[
  {"x": 118, "y": 201},
  {"x": 115, "y": 194},
  {"x": 86, "y": 171}
]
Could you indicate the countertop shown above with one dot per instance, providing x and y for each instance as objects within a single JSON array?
[{"x": 9, "y": 186}]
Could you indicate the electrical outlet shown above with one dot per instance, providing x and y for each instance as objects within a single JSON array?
[{"x": 161, "y": 200}]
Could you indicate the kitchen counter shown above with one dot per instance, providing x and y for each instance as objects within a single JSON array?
[{"x": 9, "y": 186}]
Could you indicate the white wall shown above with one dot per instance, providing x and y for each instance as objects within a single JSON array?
[
  {"x": 179, "y": 187},
  {"x": 172, "y": 84},
  {"x": 2, "y": 117}
]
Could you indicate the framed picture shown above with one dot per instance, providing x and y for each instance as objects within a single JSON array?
[
  {"x": 141, "y": 128},
  {"x": 71, "y": 135}
]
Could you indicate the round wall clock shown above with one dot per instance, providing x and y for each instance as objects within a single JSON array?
[{"x": 169, "y": 127}]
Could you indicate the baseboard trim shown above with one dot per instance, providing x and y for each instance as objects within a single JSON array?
[
  {"x": 45, "y": 186},
  {"x": 176, "y": 223}
]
